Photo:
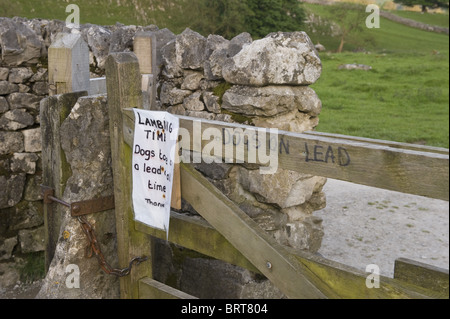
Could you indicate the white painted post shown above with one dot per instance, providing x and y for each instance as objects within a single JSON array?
[{"x": 68, "y": 64}]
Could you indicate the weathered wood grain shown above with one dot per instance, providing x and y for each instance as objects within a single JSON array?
[
  {"x": 408, "y": 146},
  {"x": 124, "y": 90},
  {"x": 68, "y": 64},
  {"x": 347, "y": 282},
  {"x": 421, "y": 274},
  {"x": 423, "y": 173},
  {"x": 152, "y": 289}
]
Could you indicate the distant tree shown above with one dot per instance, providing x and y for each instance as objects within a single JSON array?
[
  {"x": 433, "y": 4},
  {"x": 274, "y": 15},
  {"x": 224, "y": 17},
  {"x": 351, "y": 20},
  {"x": 231, "y": 17}
]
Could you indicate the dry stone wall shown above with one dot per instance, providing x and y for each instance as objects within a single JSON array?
[
  {"x": 23, "y": 83},
  {"x": 24, "y": 47},
  {"x": 262, "y": 82}
]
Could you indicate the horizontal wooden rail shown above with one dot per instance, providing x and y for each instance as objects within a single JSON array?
[
  {"x": 153, "y": 289},
  {"x": 376, "y": 164},
  {"x": 421, "y": 274},
  {"x": 230, "y": 235},
  {"x": 407, "y": 146}
]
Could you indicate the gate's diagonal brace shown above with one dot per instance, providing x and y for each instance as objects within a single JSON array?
[
  {"x": 81, "y": 208},
  {"x": 269, "y": 257}
]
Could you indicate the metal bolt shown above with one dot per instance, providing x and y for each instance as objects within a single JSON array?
[{"x": 76, "y": 209}]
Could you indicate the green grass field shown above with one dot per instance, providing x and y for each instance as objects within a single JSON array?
[
  {"x": 403, "y": 98},
  {"x": 441, "y": 20}
]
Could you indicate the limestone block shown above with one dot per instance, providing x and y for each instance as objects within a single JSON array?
[
  {"x": 24, "y": 100},
  {"x": 4, "y": 74},
  {"x": 98, "y": 39},
  {"x": 12, "y": 191},
  {"x": 24, "y": 163},
  {"x": 293, "y": 121},
  {"x": 170, "y": 95},
  {"x": 23, "y": 88},
  {"x": 176, "y": 109},
  {"x": 11, "y": 142},
  {"x": 40, "y": 75},
  {"x": 217, "y": 45},
  {"x": 4, "y": 106},
  {"x": 191, "y": 80},
  {"x": 8, "y": 88},
  {"x": 305, "y": 235},
  {"x": 200, "y": 115},
  {"x": 238, "y": 42},
  {"x": 25, "y": 215},
  {"x": 279, "y": 58},
  {"x": 190, "y": 50},
  {"x": 10, "y": 275},
  {"x": 33, "y": 188},
  {"x": 19, "y": 44},
  {"x": 40, "y": 88},
  {"x": 229, "y": 281},
  {"x": 32, "y": 140},
  {"x": 211, "y": 102},
  {"x": 215, "y": 63},
  {"x": 284, "y": 188},
  {"x": 122, "y": 39},
  {"x": 17, "y": 119},
  {"x": 85, "y": 141},
  {"x": 20, "y": 75},
  {"x": 32, "y": 240},
  {"x": 6, "y": 247},
  {"x": 193, "y": 103},
  {"x": 169, "y": 58},
  {"x": 264, "y": 101}
]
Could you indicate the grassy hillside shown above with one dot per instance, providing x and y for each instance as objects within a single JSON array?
[
  {"x": 441, "y": 20},
  {"x": 403, "y": 98},
  {"x": 102, "y": 12}
]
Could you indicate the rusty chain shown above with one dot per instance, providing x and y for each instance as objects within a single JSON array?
[{"x": 93, "y": 247}]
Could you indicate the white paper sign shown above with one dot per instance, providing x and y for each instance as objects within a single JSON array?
[{"x": 155, "y": 137}]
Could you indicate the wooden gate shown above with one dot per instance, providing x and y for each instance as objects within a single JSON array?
[{"x": 230, "y": 235}]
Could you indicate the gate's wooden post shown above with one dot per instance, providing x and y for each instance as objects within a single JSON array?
[
  {"x": 123, "y": 83},
  {"x": 144, "y": 47},
  {"x": 55, "y": 169}
]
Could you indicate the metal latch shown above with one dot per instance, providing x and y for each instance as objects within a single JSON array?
[
  {"x": 82, "y": 207},
  {"x": 78, "y": 210}
]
